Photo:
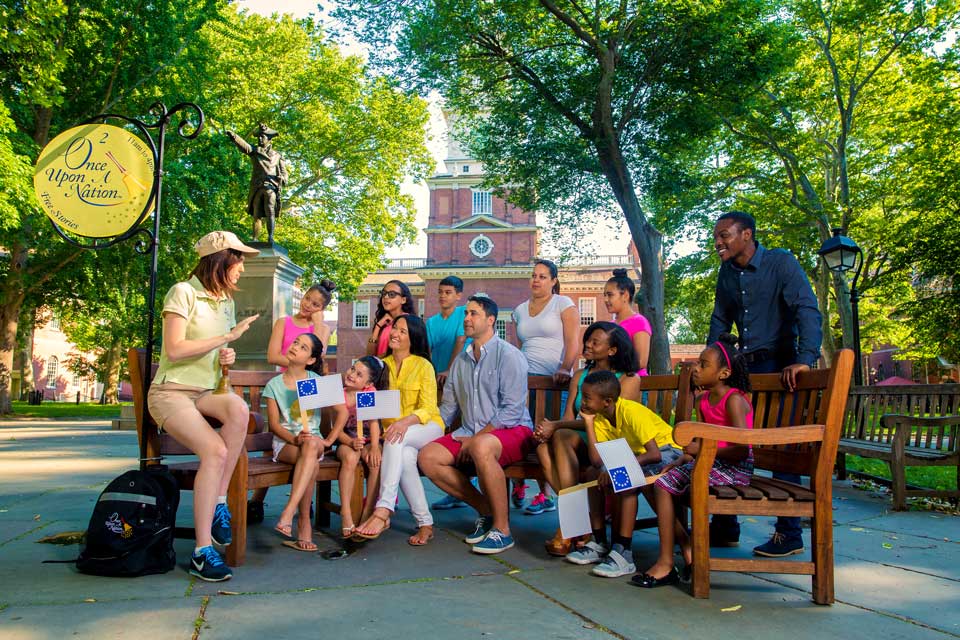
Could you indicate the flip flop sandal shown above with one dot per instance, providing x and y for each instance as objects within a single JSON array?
[
  {"x": 374, "y": 536},
  {"x": 284, "y": 529},
  {"x": 301, "y": 545},
  {"x": 346, "y": 533},
  {"x": 422, "y": 543}
]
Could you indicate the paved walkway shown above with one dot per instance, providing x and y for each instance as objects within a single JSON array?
[{"x": 897, "y": 576}]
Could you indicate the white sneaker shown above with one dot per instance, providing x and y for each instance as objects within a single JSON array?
[
  {"x": 615, "y": 564},
  {"x": 590, "y": 553}
]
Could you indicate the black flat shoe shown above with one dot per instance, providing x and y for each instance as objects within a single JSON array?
[
  {"x": 647, "y": 581},
  {"x": 686, "y": 574}
]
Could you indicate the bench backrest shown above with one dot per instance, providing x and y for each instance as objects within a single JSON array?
[
  {"x": 661, "y": 396},
  {"x": 820, "y": 398},
  {"x": 867, "y": 405}
]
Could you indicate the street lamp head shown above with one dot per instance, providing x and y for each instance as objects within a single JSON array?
[{"x": 840, "y": 252}]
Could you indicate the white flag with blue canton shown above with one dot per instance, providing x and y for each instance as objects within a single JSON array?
[
  {"x": 620, "y": 463},
  {"x": 373, "y": 405},
  {"x": 324, "y": 391}
]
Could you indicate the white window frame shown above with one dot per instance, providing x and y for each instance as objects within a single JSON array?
[
  {"x": 420, "y": 307},
  {"x": 53, "y": 366},
  {"x": 357, "y": 306},
  {"x": 482, "y": 202},
  {"x": 54, "y": 322},
  {"x": 501, "y": 328},
  {"x": 588, "y": 311}
]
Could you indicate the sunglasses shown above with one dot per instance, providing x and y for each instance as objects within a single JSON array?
[{"x": 390, "y": 294}]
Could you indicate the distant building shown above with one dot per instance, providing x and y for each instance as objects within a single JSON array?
[
  {"x": 51, "y": 353},
  {"x": 490, "y": 244}
]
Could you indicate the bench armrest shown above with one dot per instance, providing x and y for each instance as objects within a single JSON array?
[{"x": 685, "y": 432}]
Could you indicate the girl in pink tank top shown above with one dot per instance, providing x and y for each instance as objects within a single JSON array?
[
  {"x": 722, "y": 373},
  {"x": 309, "y": 319}
]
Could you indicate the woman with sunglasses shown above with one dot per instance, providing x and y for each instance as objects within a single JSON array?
[{"x": 395, "y": 301}]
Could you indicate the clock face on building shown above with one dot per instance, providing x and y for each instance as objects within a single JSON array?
[{"x": 481, "y": 246}]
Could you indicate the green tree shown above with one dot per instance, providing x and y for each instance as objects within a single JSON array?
[
  {"x": 351, "y": 140},
  {"x": 574, "y": 104},
  {"x": 823, "y": 147}
]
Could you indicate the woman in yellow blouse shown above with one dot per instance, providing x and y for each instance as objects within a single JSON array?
[{"x": 408, "y": 361}]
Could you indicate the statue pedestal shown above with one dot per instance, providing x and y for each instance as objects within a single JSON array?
[{"x": 266, "y": 287}]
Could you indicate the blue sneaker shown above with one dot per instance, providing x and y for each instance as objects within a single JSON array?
[
  {"x": 495, "y": 542},
  {"x": 540, "y": 504},
  {"x": 483, "y": 526},
  {"x": 220, "y": 531},
  {"x": 208, "y": 565},
  {"x": 448, "y": 502},
  {"x": 779, "y": 546}
]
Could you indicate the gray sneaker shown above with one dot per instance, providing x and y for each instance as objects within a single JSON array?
[
  {"x": 615, "y": 565},
  {"x": 590, "y": 553}
]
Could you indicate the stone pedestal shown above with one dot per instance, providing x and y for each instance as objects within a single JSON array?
[{"x": 266, "y": 287}]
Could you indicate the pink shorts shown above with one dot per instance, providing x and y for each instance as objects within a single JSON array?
[{"x": 515, "y": 442}]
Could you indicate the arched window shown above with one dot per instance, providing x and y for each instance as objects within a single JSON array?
[{"x": 52, "y": 365}]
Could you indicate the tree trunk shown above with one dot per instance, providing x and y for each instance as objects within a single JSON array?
[
  {"x": 822, "y": 289},
  {"x": 27, "y": 381},
  {"x": 111, "y": 372},
  {"x": 9, "y": 318}
]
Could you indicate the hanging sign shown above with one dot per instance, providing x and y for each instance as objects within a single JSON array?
[{"x": 95, "y": 180}]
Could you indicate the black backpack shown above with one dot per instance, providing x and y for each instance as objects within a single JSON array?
[{"x": 132, "y": 526}]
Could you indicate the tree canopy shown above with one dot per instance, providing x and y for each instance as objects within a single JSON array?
[{"x": 351, "y": 139}]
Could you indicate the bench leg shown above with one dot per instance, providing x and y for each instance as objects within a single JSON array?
[
  {"x": 822, "y": 538},
  {"x": 841, "y": 466},
  {"x": 237, "y": 502},
  {"x": 701, "y": 553},
  {"x": 321, "y": 515},
  {"x": 898, "y": 473}
]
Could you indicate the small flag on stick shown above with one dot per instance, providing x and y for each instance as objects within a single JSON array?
[{"x": 374, "y": 405}]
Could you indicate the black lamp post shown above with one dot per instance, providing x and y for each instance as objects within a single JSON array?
[{"x": 842, "y": 255}]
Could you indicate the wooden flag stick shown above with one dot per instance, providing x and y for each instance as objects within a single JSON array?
[
  {"x": 577, "y": 487},
  {"x": 360, "y": 429}
]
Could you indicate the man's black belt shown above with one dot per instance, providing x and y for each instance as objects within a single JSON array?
[{"x": 760, "y": 355}]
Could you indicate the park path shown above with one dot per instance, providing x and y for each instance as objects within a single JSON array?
[{"x": 898, "y": 574}]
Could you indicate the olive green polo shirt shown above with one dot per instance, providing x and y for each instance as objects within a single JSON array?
[{"x": 207, "y": 317}]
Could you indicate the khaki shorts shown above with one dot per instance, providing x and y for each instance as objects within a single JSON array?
[{"x": 168, "y": 398}]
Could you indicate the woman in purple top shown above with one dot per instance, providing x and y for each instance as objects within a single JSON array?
[{"x": 618, "y": 298}]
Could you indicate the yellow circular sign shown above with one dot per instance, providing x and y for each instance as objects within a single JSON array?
[{"x": 94, "y": 180}]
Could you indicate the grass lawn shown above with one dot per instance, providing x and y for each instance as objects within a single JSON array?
[
  {"x": 49, "y": 409},
  {"x": 941, "y": 478}
]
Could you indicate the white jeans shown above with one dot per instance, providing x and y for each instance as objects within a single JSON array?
[{"x": 398, "y": 468}]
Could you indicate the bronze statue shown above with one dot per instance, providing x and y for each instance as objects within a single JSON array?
[{"x": 268, "y": 177}]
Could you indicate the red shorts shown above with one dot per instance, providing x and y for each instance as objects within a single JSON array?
[{"x": 515, "y": 442}]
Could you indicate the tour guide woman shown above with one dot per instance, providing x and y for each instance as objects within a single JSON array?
[{"x": 198, "y": 323}]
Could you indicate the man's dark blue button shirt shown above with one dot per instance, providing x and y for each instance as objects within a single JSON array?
[{"x": 773, "y": 306}]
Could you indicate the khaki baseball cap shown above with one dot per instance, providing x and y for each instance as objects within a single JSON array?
[{"x": 218, "y": 241}]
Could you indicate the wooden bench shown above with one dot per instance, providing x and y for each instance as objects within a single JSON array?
[
  {"x": 253, "y": 471},
  {"x": 794, "y": 432},
  {"x": 904, "y": 425}
]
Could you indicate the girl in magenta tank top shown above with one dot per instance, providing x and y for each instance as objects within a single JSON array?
[
  {"x": 722, "y": 373},
  {"x": 618, "y": 296},
  {"x": 308, "y": 319}
]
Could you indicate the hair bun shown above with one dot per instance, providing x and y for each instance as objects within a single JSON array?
[
  {"x": 619, "y": 273},
  {"x": 329, "y": 285},
  {"x": 728, "y": 339}
]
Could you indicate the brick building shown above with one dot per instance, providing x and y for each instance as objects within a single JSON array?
[{"x": 490, "y": 244}]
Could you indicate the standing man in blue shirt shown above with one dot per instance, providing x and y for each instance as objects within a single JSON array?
[
  {"x": 445, "y": 335},
  {"x": 767, "y": 295}
]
